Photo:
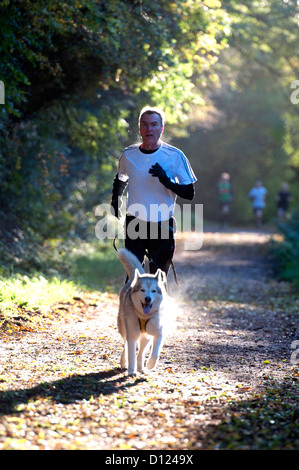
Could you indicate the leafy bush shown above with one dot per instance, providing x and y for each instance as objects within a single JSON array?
[
  {"x": 74, "y": 73},
  {"x": 286, "y": 252}
]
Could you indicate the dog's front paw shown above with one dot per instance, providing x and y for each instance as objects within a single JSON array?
[
  {"x": 132, "y": 372},
  {"x": 152, "y": 362}
]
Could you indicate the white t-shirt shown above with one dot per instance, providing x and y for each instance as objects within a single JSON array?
[{"x": 148, "y": 199}]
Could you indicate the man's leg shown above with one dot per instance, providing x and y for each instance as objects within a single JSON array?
[
  {"x": 161, "y": 248},
  {"x": 163, "y": 258},
  {"x": 135, "y": 245}
]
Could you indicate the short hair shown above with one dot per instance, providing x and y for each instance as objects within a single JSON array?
[{"x": 152, "y": 110}]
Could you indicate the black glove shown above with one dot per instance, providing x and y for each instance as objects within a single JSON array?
[
  {"x": 157, "y": 171},
  {"x": 185, "y": 191}
]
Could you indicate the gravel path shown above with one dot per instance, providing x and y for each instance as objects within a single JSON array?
[{"x": 226, "y": 379}]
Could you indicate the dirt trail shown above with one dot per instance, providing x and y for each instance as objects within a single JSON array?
[{"x": 225, "y": 379}]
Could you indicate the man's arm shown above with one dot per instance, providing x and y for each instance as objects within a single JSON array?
[
  {"x": 185, "y": 191},
  {"x": 117, "y": 191}
]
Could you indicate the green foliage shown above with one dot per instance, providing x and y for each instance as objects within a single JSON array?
[
  {"x": 246, "y": 141},
  {"x": 188, "y": 57},
  {"x": 75, "y": 73},
  {"x": 291, "y": 140},
  {"x": 76, "y": 77},
  {"x": 286, "y": 252},
  {"x": 54, "y": 170},
  {"x": 249, "y": 125},
  {"x": 68, "y": 46},
  {"x": 266, "y": 34}
]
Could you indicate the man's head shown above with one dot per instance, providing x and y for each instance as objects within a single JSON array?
[{"x": 151, "y": 125}]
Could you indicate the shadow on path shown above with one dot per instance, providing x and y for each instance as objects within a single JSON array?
[{"x": 69, "y": 390}]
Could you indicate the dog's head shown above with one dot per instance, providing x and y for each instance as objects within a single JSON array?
[{"x": 147, "y": 291}]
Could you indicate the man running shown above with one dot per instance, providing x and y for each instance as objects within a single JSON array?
[{"x": 156, "y": 173}]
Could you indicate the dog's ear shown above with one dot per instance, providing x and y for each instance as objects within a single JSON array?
[
  {"x": 161, "y": 276},
  {"x": 135, "y": 278}
]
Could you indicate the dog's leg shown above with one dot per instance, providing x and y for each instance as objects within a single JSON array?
[
  {"x": 144, "y": 343},
  {"x": 123, "y": 359},
  {"x": 153, "y": 360},
  {"x": 124, "y": 355},
  {"x": 133, "y": 336},
  {"x": 132, "y": 356}
]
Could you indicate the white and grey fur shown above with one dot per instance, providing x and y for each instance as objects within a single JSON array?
[{"x": 146, "y": 312}]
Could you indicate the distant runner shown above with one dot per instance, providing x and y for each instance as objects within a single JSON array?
[
  {"x": 283, "y": 198},
  {"x": 258, "y": 196}
]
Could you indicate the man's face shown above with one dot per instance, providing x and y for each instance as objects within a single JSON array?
[{"x": 150, "y": 130}]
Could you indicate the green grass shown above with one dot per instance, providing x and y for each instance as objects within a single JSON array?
[
  {"x": 21, "y": 291},
  {"x": 86, "y": 267},
  {"x": 95, "y": 267}
]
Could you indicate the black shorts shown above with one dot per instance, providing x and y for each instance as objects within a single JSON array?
[
  {"x": 257, "y": 210},
  {"x": 155, "y": 240}
]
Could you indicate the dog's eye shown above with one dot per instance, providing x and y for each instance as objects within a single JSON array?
[
  {"x": 142, "y": 290},
  {"x": 153, "y": 291}
]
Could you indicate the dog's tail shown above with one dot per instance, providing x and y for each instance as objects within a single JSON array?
[{"x": 129, "y": 262}]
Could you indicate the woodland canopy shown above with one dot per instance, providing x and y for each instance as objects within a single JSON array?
[{"x": 77, "y": 73}]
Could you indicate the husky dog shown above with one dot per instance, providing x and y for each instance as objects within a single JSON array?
[{"x": 144, "y": 309}]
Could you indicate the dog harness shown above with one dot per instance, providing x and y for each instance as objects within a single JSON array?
[{"x": 142, "y": 324}]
